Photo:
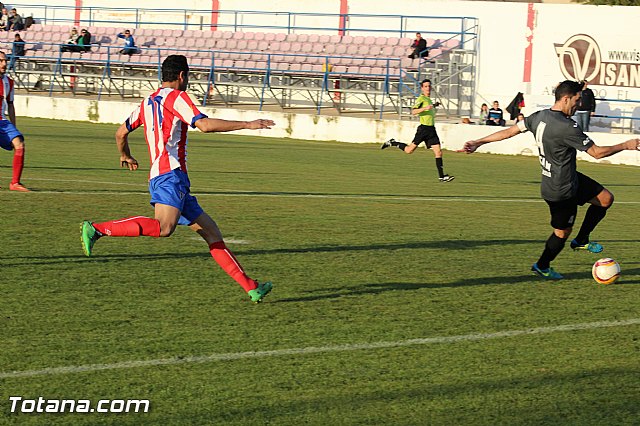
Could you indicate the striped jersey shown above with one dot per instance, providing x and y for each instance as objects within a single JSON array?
[
  {"x": 165, "y": 115},
  {"x": 6, "y": 94}
]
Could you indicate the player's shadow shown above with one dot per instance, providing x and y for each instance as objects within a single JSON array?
[
  {"x": 378, "y": 288},
  {"x": 447, "y": 244},
  {"x": 312, "y": 295}
]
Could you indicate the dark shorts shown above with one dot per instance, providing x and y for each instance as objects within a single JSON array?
[
  {"x": 8, "y": 132},
  {"x": 563, "y": 213},
  {"x": 426, "y": 134},
  {"x": 172, "y": 189}
]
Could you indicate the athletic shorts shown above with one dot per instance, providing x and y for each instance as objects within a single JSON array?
[
  {"x": 172, "y": 189},
  {"x": 563, "y": 213},
  {"x": 8, "y": 132},
  {"x": 426, "y": 134}
]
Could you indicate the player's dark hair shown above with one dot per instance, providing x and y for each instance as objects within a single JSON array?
[
  {"x": 568, "y": 88},
  {"x": 426, "y": 80},
  {"x": 172, "y": 66}
]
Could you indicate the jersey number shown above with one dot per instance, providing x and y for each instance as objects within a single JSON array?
[
  {"x": 546, "y": 166},
  {"x": 156, "y": 108}
]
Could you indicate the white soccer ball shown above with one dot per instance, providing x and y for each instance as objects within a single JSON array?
[{"x": 606, "y": 271}]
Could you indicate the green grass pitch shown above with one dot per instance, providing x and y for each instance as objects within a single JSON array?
[{"x": 367, "y": 251}]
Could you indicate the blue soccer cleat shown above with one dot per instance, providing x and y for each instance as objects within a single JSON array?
[
  {"x": 591, "y": 246},
  {"x": 548, "y": 274}
]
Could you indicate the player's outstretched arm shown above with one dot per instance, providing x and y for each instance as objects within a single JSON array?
[
  {"x": 605, "y": 151},
  {"x": 122, "y": 140},
  {"x": 471, "y": 146},
  {"x": 208, "y": 125}
]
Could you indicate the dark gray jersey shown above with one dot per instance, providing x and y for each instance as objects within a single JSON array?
[{"x": 558, "y": 138}]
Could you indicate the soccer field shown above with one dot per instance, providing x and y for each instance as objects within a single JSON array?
[{"x": 397, "y": 299}]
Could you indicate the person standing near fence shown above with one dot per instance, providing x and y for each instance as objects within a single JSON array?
[{"x": 586, "y": 108}]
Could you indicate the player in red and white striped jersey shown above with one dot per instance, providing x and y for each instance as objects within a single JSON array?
[
  {"x": 10, "y": 137},
  {"x": 165, "y": 116}
]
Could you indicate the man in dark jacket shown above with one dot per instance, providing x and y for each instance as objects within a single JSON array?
[
  {"x": 515, "y": 106},
  {"x": 419, "y": 47},
  {"x": 84, "y": 41},
  {"x": 586, "y": 108}
]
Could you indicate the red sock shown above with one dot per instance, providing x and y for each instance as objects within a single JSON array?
[
  {"x": 130, "y": 227},
  {"x": 18, "y": 164},
  {"x": 231, "y": 266}
]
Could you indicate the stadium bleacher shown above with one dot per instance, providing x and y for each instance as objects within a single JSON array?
[{"x": 367, "y": 55}]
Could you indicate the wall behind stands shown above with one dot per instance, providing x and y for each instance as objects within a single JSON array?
[{"x": 310, "y": 127}]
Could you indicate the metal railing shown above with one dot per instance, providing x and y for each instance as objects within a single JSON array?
[{"x": 462, "y": 27}]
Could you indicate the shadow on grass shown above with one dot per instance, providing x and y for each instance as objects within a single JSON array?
[
  {"x": 447, "y": 245},
  {"x": 377, "y": 288},
  {"x": 426, "y": 396}
]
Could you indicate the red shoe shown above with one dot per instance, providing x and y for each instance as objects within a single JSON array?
[{"x": 18, "y": 187}]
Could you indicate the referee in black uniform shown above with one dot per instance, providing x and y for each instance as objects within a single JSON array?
[{"x": 563, "y": 188}]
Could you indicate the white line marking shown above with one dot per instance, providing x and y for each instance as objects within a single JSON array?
[
  {"x": 317, "y": 350},
  {"x": 322, "y": 196},
  {"x": 237, "y": 193}
]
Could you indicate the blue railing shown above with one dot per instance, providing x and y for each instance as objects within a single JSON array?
[
  {"x": 463, "y": 27},
  {"x": 388, "y": 69}
]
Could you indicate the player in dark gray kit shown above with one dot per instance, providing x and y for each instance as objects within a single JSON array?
[{"x": 563, "y": 188}]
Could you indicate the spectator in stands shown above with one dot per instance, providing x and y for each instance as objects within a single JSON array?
[
  {"x": 70, "y": 43},
  {"x": 18, "y": 45},
  {"x": 495, "y": 115},
  {"x": 129, "y": 44},
  {"x": 586, "y": 108},
  {"x": 84, "y": 41},
  {"x": 17, "y": 50},
  {"x": 419, "y": 47},
  {"x": 4, "y": 20},
  {"x": 520, "y": 117},
  {"x": 484, "y": 113},
  {"x": 15, "y": 21}
]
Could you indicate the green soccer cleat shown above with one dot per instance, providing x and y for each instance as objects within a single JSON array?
[
  {"x": 89, "y": 237},
  {"x": 591, "y": 246},
  {"x": 259, "y": 293},
  {"x": 548, "y": 274}
]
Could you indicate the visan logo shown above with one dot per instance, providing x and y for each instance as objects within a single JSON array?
[{"x": 580, "y": 59}]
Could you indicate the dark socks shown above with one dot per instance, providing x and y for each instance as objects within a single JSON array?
[
  {"x": 594, "y": 215},
  {"x": 439, "y": 166},
  {"x": 552, "y": 248},
  {"x": 401, "y": 146}
]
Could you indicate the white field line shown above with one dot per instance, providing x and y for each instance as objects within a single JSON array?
[
  {"x": 316, "y": 349},
  {"x": 251, "y": 194},
  {"x": 233, "y": 193}
]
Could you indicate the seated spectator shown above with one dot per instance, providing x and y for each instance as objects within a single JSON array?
[
  {"x": 84, "y": 41},
  {"x": 4, "y": 20},
  {"x": 70, "y": 43},
  {"x": 17, "y": 50},
  {"x": 130, "y": 47},
  {"x": 484, "y": 113},
  {"x": 419, "y": 47},
  {"x": 15, "y": 21},
  {"x": 495, "y": 115}
]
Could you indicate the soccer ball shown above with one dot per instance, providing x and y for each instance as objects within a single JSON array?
[{"x": 606, "y": 271}]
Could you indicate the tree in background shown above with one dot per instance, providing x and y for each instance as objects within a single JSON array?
[{"x": 613, "y": 2}]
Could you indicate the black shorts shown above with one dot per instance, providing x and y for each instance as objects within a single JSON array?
[
  {"x": 563, "y": 213},
  {"x": 426, "y": 134}
]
